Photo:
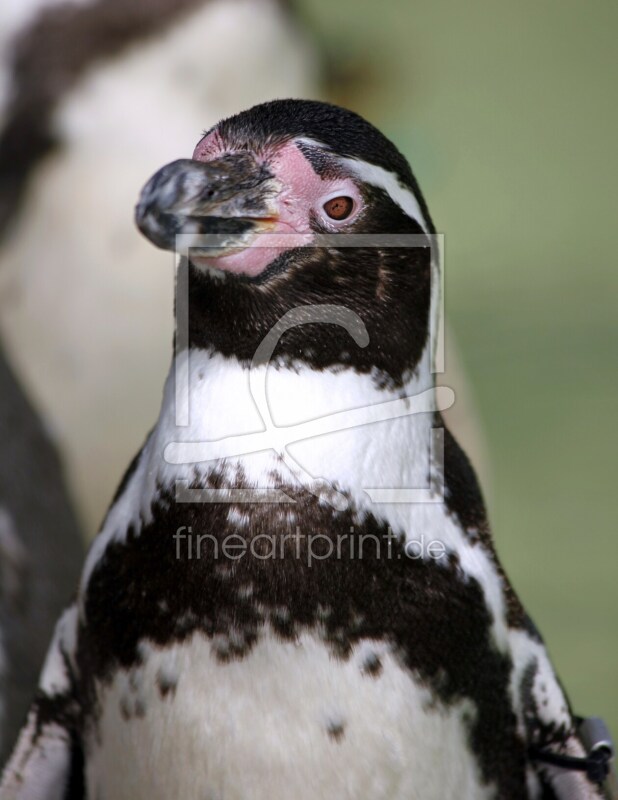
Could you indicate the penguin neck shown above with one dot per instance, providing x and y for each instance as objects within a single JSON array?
[
  {"x": 318, "y": 417},
  {"x": 326, "y": 314}
]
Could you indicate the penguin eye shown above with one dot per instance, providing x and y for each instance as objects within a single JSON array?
[{"x": 339, "y": 207}]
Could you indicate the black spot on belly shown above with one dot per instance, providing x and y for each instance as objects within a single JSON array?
[
  {"x": 132, "y": 707},
  {"x": 336, "y": 730},
  {"x": 372, "y": 665},
  {"x": 433, "y": 616},
  {"x": 166, "y": 684},
  {"x": 125, "y": 709}
]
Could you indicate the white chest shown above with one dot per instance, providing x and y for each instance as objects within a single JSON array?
[{"x": 286, "y": 721}]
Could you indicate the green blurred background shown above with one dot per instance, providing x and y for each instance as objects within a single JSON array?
[{"x": 507, "y": 113}]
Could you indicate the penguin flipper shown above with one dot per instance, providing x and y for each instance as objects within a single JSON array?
[
  {"x": 550, "y": 724},
  {"x": 47, "y": 762},
  {"x": 45, "y": 765}
]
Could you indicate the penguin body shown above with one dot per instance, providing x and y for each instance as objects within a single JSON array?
[{"x": 262, "y": 615}]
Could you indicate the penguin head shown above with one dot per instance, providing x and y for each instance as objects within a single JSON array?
[{"x": 263, "y": 192}]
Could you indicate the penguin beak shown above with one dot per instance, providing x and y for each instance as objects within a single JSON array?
[{"x": 220, "y": 204}]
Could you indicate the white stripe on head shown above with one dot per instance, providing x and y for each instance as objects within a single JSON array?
[
  {"x": 380, "y": 177},
  {"x": 390, "y": 183}
]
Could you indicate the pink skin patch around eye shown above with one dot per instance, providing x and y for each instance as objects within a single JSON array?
[{"x": 302, "y": 192}]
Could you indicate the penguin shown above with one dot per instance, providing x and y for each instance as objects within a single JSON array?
[
  {"x": 87, "y": 89},
  {"x": 295, "y": 592},
  {"x": 41, "y": 550}
]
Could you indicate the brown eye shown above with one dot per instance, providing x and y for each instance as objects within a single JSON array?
[{"x": 339, "y": 207}]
